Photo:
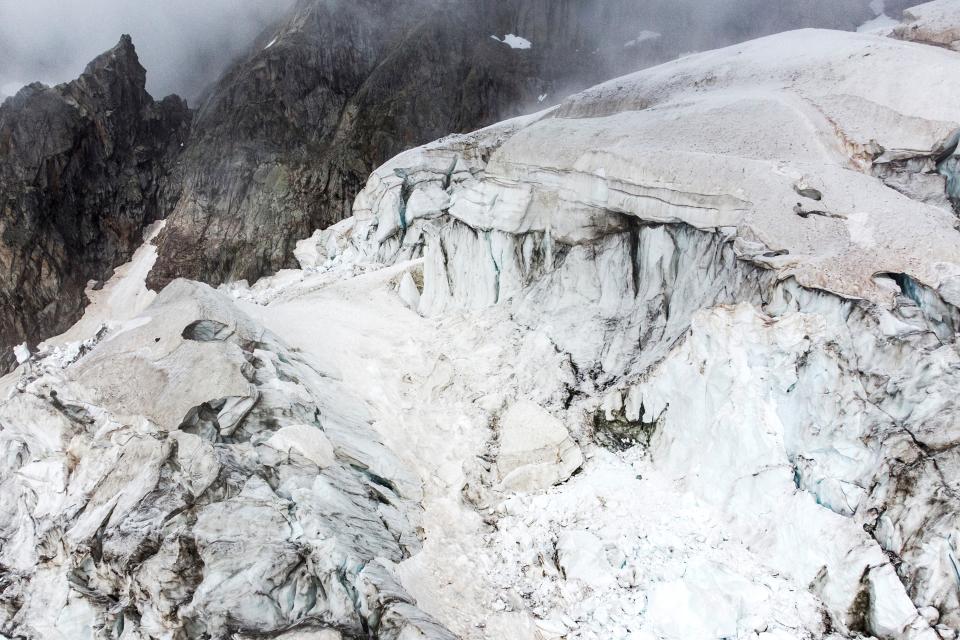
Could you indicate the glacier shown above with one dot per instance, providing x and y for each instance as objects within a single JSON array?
[{"x": 674, "y": 359}]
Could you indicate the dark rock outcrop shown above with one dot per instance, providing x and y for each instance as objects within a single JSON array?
[
  {"x": 83, "y": 170},
  {"x": 286, "y": 139}
]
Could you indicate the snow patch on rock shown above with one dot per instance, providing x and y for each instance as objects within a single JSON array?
[
  {"x": 645, "y": 36},
  {"x": 22, "y": 353},
  {"x": 514, "y": 41},
  {"x": 122, "y": 298}
]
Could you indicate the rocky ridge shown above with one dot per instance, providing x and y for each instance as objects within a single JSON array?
[{"x": 84, "y": 168}]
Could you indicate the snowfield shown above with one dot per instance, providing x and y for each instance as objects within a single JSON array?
[{"x": 673, "y": 360}]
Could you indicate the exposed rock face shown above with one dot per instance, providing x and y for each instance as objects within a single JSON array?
[
  {"x": 83, "y": 168},
  {"x": 814, "y": 413},
  {"x": 287, "y": 138}
]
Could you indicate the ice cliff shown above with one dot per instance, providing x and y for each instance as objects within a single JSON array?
[
  {"x": 286, "y": 138},
  {"x": 674, "y": 359},
  {"x": 752, "y": 254},
  {"x": 281, "y": 144}
]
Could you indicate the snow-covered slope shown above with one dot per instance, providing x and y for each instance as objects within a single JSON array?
[{"x": 676, "y": 359}]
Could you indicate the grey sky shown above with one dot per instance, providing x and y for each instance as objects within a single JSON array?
[{"x": 184, "y": 44}]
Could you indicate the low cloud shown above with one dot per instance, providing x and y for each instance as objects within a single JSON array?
[{"x": 184, "y": 44}]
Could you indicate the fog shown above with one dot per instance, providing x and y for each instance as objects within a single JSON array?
[{"x": 184, "y": 44}]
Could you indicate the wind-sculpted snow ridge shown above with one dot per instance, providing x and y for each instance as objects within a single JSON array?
[
  {"x": 187, "y": 475},
  {"x": 751, "y": 258}
]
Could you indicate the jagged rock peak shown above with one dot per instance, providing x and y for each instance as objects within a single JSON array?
[
  {"x": 116, "y": 76},
  {"x": 124, "y": 53},
  {"x": 83, "y": 171}
]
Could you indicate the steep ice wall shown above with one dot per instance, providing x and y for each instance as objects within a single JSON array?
[{"x": 750, "y": 253}]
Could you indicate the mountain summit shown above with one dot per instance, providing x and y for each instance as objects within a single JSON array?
[{"x": 84, "y": 167}]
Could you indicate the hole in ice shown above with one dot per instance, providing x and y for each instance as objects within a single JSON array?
[
  {"x": 621, "y": 433},
  {"x": 207, "y": 331}
]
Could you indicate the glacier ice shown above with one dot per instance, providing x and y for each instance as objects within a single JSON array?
[
  {"x": 796, "y": 367},
  {"x": 535, "y": 450},
  {"x": 675, "y": 359},
  {"x": 155, "y": 480},
  {"x": 936, "y": 23}
]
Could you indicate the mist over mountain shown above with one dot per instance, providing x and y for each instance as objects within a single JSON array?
[
  {"x": 184, "y": 44},
  {"x": 295, "y": 103}
]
